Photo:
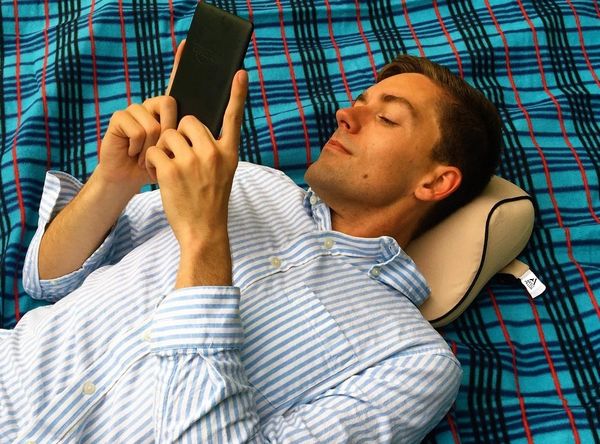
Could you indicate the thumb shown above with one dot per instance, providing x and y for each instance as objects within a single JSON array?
[
  {"x": 175, "y": 65},
  {"x": 232, "y": 120}
]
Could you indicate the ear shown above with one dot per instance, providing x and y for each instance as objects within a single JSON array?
[{"x": 439, "y": 183}]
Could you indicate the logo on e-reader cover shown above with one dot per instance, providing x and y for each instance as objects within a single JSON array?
[{"x": 205, "y": 55}]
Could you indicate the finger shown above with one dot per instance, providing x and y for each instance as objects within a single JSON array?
[
  {"x": 175, "y": 145},
  {"x": 195, "y": 131},
  {"x": 124, "y": 125},
  {"x": 156, "y": 161},
  {"x": 232, "y": 120},
  {"x": 148, "y": 122},
  {"x": 164, "y": 110},
  {"x": 175, "y": 65}
]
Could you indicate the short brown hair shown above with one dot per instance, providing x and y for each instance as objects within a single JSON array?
[{"x": 470, "y": 133}]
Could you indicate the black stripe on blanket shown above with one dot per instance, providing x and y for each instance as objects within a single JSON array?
[
  {"x": 70, "y": 119},
  {"x": 385, "y": 30},
  {"x": 314, "y": 65},
  {"x": 4, "y": 217},
  {"x": 149, "y": 54}
]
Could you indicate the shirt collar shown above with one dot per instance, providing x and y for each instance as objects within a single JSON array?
[
  {"x": 318, "y": 210},
  {"x": 392, "y": 266}
]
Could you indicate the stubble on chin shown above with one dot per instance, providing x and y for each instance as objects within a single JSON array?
[{"x": 327, "y": 181}]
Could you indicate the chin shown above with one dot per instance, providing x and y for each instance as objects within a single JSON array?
[{"x": 310, "y": 173}]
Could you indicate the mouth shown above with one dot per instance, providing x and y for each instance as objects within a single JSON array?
[{"x": 337, "y": 146}]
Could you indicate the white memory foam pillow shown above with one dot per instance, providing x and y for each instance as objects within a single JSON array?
[{"x": 462, "y": 253}]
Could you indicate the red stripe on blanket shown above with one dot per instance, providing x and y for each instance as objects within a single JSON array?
[
  {"x": 337, "y": 50},
  {"x": 597, "y": 8},
  {"x": 552, "y": 198},
  {"x": 543, "y": 160},
  {"x": 580, "y": 33},
  {"x": 526, "y": 115},
  {"x": 559, "y": 112},
  {"x": 14, "y": 154},
  {"x": 450, "y": 41},
  {"x": 412, "y": 30},
  {"x": 261, "y": 80},
  {"x": 44, "y": 98},
  {"x": 513, "y": 353},
  {"x": 453, "y": 428},
  {"x": 294, "y": 84},
  {"x": 95, "y": 79},
  {"x": 124, "y": 43},
  {"x": 362, "y": 35},
  {"x": 575, "y": 155},
  {"x": 553, "y": 370}
]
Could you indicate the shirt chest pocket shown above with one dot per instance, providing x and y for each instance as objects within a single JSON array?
[{"x": 292, "y": 344}]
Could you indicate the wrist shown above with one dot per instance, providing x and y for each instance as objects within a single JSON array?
[
  {"x": 205, "y": 261},
  {"x": 116, "y": 189}
]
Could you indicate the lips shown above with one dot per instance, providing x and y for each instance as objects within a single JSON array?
[{"x": 336, "y": 145}]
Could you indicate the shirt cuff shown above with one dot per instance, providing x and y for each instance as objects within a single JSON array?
[
  {"x": 205, "y": 318},
  {"x": 59, "y": 189}
]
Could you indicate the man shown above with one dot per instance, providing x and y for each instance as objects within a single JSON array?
[{"x": 234, "y": 306}]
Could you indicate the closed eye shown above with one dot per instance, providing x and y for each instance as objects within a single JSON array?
[{"x": 387, "y": 121}]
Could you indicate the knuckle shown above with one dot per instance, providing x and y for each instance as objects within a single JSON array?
[
  {"x": 168, "y": 133},
  {"x": 187, "y": 121},
  {"x": 138, "y": 133},
  {"x": 168, "y": 100},
  {"x": 154, "y": 130},
  {"x": 134, "y": 106},
  {"x": 117, "y": 115}
]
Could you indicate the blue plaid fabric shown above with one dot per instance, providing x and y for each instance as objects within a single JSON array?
[{"x": 531, "y": 367}]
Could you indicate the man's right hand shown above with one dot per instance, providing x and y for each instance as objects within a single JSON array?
[
  {"x": 130, "y": 133},
  {"x": 77, "y": 231}
]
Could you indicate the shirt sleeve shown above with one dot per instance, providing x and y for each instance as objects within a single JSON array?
[
  {"x": 59, "y": 189},
  {"x": 203, "y": 394},
  {"x": 142, "y": 216},
  {"x": 3, "y": 334}
]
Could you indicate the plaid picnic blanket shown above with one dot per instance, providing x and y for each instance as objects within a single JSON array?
[{"x": 532, "y": 371}]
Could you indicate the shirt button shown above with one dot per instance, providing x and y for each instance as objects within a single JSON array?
[
  {"x": 88, "y": 388},
  {"x": 30, "y": 442},
  {"x": 147, "y": 336},
  {"x": 275, "y": 262},
  {"x": 375, "y": 271},
  {"x": 313, "y": 199},
  {"x": 329, "y": 243}
]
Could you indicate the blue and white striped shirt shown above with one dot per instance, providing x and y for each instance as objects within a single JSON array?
[{"x": 319, "y": 340}]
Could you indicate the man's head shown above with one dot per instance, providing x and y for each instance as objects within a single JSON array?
[{"x": 412, "y": 148}]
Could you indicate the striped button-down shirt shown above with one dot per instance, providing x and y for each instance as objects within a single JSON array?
[{"x": 318, "y": 340}]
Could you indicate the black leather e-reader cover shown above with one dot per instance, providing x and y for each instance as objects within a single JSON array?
[{"x": 214, "y": 50}]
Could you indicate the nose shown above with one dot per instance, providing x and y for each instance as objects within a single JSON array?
[{"x": 349, "y": 118}]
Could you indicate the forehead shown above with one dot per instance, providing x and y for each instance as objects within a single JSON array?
[{"x": 417, "y": 88}]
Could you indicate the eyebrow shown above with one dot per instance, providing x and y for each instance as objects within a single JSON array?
[{"x": 390, "y": 98}]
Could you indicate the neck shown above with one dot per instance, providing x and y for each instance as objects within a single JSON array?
[{"x": 398, "y": 221}]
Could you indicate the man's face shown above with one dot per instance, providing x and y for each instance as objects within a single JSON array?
[{"x": 382, "y": 146}]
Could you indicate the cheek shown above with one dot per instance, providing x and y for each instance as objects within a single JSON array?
[{"x": 384, "y": 162}]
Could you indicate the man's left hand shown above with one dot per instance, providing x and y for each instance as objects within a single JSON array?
[{"x": 195, "y": 174}]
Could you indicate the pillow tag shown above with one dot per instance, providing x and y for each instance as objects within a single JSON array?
[
  {"x": 532, "y": 284},
  {"x": 530, "y": 281}
]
